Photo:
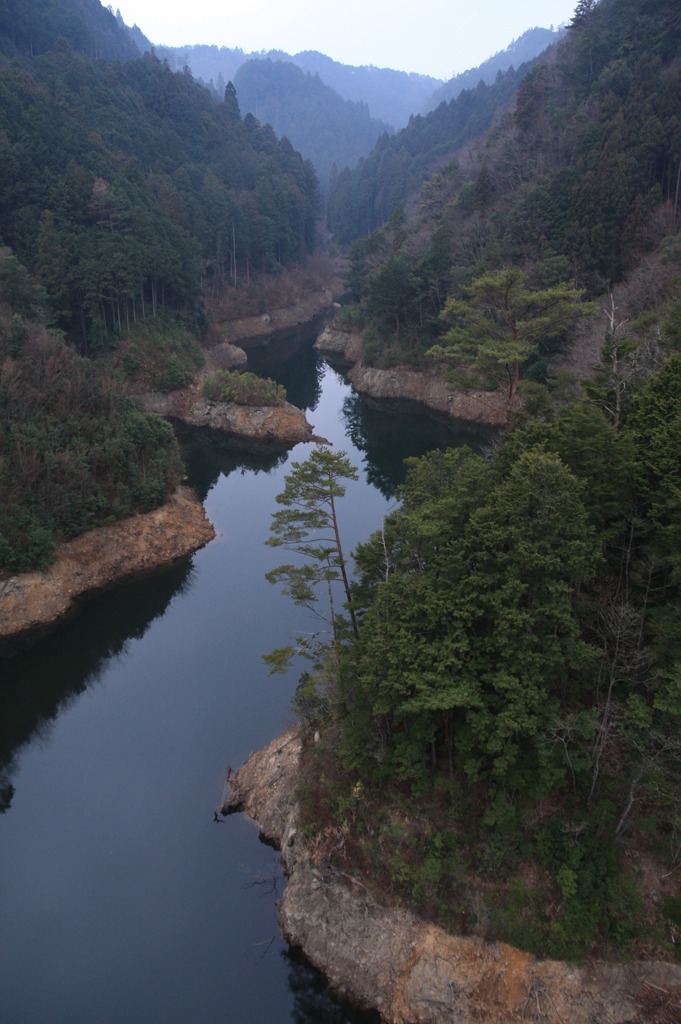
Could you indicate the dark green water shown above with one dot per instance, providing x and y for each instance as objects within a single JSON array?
[{"x": 120, "y": 899}]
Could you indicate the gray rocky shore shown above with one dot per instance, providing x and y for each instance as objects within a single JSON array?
[
  {"x": 411, "y": 971},
  {"x": 401, "y": 383}
]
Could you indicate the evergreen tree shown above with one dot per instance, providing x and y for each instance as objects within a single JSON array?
[{"x": 501, "y": 324}]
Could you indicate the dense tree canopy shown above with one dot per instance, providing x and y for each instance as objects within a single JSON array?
[
  {"x": 124, "y": 187},
  {"x": 74, "y": 452},
  {"x": 501, "y": 325}
]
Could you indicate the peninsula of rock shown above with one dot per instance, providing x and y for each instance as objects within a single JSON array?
[
  {"x": 101, "y": 557},
  {"x": 280, "y": 425},
  {"x": 409, "y": 970}
]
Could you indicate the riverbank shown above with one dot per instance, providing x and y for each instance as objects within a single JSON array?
[
  {"x": 411, "y": 971},
  {"x": 485, "y": 408},
  {"x": 273, "y": 305},
  {"x": 100, "y": 558},
  {"x": 283, "y": 425}
]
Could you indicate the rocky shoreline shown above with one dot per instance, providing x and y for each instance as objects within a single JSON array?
[
  {"x": 400, "y": 383},
  {"x": 101, "y": 557},
  {"x": 143, "y": 543},
  {"x": 277, "y": 425},
  {"x": 410, "y": 971}
]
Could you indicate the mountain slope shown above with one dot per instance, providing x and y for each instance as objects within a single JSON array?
[
  {"x": 29, "y": 29},
  {"x": 326, "y": 129},
  {"x": 127, "y": 184},
  {"x": 527, "y": 46},
  {"x": 363, "y": 199}
]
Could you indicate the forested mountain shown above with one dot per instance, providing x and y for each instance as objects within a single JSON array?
[
  {"x": 326, "y": 129},
  {"x": 576, "y": 176},
  {"x": 362, "y": 199},
  {"x": 500, "y": 711},
  {"x": 29, "y": 29},
  {"x": 128, "y": 196},
  {"x": 124, "y": 185},
  {"x": 523, "y": 49},
  {"x": 391, "y": 96}
]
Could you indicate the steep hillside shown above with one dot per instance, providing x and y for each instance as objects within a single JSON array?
[
  {"x": 29, "y": 29},
  {"x": 327, "y": 130},
  {"x": 128, "y": 199},
  {"x": 129, "y": 184},
  {"x": 575, "y": 179},
  {"x": 362, "y": 199},
  {"x": 523, "y": 49},
  {"x": 498, "y": 743}
]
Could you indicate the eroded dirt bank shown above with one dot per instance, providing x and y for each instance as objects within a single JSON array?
[
  {"x": 249, "y": 331},
  {"x": 399, "y": 382},
  {"x": 411, "y": 971},
  {"x": 101, "y": 557}
]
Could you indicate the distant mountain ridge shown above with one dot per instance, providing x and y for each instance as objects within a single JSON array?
[
  {"x": 391, "y": 96},
  {"x": 327, "y": 129},
  {"x": 526, "y": 47}
]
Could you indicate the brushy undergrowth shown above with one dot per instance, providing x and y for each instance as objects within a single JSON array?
[{"x": 243, "y": 389}]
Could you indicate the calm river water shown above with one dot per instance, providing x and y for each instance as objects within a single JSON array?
[{"x": 120, "y": 899}]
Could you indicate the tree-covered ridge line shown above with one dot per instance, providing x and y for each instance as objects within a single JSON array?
[
  {"x": 28, "y": 29},
  {"x": 126, "y": 190},
  {"x": 521, "y": 50}
]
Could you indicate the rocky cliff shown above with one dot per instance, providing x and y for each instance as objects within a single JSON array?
[
  {"x": 101, "y": 557},
  {"x": 399, "y": 382},
  {"x": 411, "y": 971}
]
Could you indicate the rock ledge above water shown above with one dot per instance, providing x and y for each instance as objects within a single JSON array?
[{"x": 411, "y": 971}]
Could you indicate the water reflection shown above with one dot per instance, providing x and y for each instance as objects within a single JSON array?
[
  {"x": 208, "y": 454},
  {"x": 313, "y": 1001},
  {"x": 390, "y": 432},
  {"x": 115, "y": 880},
  {"x": 43, "y": 675},
  {"x": 292, "y": 361}
]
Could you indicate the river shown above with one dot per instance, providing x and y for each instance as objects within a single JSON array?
[{"x": 120, "y": 898}]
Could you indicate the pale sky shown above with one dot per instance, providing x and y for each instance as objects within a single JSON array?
[{"x": 435, "y": 37}]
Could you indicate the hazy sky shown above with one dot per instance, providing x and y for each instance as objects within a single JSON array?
[{"x": 434, "y": 37}]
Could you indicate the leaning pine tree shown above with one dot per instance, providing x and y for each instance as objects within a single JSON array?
[{"x": 308, "y": 526}]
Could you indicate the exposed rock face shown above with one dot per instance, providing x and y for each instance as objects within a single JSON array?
[
  {"x": 264, "y": 424},
  {"x": 103, "y": 556},
  {"x": 398, "y": 382},
  {"x": 411, "y": 971}
]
